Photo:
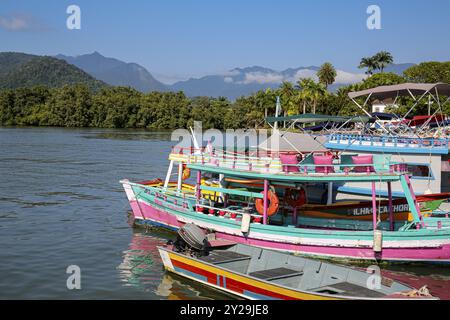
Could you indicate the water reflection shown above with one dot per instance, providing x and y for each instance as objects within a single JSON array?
[
  {"x": 172, "y": 288},
  {"x": 130, "y": 135},
  {"x": 437, "y": 279},
  {"x": 142, "y": 269}
]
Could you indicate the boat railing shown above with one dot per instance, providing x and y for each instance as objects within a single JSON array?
[
  {"x": 187, "y": 200},
  {"x": 248, "y": 153},
  {"x": 183, "y": 198},
  {"x": 273, "y": 164},
  {"x": 386, "y": 141},
  {"x": 231, "y": 212}
]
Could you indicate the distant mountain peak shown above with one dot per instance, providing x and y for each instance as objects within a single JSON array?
[
  {"x": 116, "y": 72},
  {"x": 25, "y": 70}
]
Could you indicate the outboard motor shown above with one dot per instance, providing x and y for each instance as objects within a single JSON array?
[{"x": 193, "y": 240}]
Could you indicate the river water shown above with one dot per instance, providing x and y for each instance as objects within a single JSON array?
[{"x": 61, "y": 204}]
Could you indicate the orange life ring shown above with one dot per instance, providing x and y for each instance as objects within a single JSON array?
[
  {"x": 186, "y": 172},
  {"x": 295, "y": 198},
  {"x": 274, "y": 203}
]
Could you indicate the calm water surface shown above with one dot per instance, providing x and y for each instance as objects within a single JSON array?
[{"x": 61, "y": 204}]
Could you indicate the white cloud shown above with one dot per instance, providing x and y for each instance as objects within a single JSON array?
[
  {"x": 342, "y": 77},
  {"x": 13, "y": 23},
  {"x": 21, "y": 22},
  {"x": 262, "y": 78},
  {"x": 348, "y": 78},
  {"x": 303, "y": 74},
  {"x": 228, "y": 79}
]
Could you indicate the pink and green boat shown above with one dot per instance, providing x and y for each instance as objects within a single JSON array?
[{"x": 265, "y": 211}]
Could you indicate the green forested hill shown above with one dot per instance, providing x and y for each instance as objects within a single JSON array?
[{"x": 19, "y": 70}]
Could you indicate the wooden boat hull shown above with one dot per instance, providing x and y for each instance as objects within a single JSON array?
[
  {"x": 240, "y": 282},
  {"x": 229, "y": 282},
  {"x": 151, "y": 207}
]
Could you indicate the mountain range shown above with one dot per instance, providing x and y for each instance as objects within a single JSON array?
[
  {"x": 97, "y": 70},
  {"x": 115, "y": 72},
  {"x": 243, "y": 81},
  {"x": 231, "y": 84}
]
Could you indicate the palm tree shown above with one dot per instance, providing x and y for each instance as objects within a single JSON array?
[
  {"x": 287, "y": 92},
  {"x": 269, "y": 100},
  {"x": 304, "y": 95},
  {"x": 370, "y": 63},
  {"x": 310, "y": 91},
  {"x": 327, "y": 74},
  {"x": 318, "y": 90},
  {"x": 383, "y": 59}
]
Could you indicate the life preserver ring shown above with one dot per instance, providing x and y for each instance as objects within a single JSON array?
[
  {"x": 274, "y": 204},
  {"x": 186, "y": 173},
  {"x": 295, "y": 198}
]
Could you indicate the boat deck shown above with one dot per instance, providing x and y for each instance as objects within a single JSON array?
[
  {"x": 348, "y": 289},
  {"x": 275, "y": 274},
  {"x": 297, "y": 272}
]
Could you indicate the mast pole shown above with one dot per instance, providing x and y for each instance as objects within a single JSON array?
[
  {"x": 277, "y": 112},
  {"x": 391, "y": 209},
  {"x": 266, "y": 202},
  {"x": 199, "y": 183},
  {"x": 374, "y": 207}
]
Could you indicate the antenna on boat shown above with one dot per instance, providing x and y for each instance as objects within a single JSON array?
[{"x": 277, "y": 112}]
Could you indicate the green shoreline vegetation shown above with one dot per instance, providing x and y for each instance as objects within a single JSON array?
[{"x": 78, "y": 105}]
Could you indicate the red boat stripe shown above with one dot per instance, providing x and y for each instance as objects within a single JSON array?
[{"x": 232, "y": 284}]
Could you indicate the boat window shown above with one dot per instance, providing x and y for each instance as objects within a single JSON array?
[{"x": 419, "y": 171}]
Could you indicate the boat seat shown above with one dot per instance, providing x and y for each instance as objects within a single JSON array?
[
  {"x": 348, "y": 289},
  {"x": 224, "y": 256},
  {"x": 308, "y": 162},
  {"x": 346, "y": 162},
  {"x": 275, "y": 274}
]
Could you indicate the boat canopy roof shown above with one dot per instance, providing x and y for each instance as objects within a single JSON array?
[
  {"x": 384, "y": 116},
  {"x": 297, "y": 178},
  {"x": 405, "y": 89},
  {"x": 310, "y": 118}
]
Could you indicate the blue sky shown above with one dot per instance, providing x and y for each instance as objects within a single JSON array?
[{"x": 179, "y": 39}]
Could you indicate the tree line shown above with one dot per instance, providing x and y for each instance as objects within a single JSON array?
[{"x": 123, "y": 107}]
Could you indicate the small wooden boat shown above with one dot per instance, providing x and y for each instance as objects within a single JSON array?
[{"x": 255, "y": 273}]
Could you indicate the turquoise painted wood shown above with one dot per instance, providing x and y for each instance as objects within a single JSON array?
[
  {"x": 385, "y": 177},
  {"x": 410, "y": 200},
  {"x": 233, "y": 192}
]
